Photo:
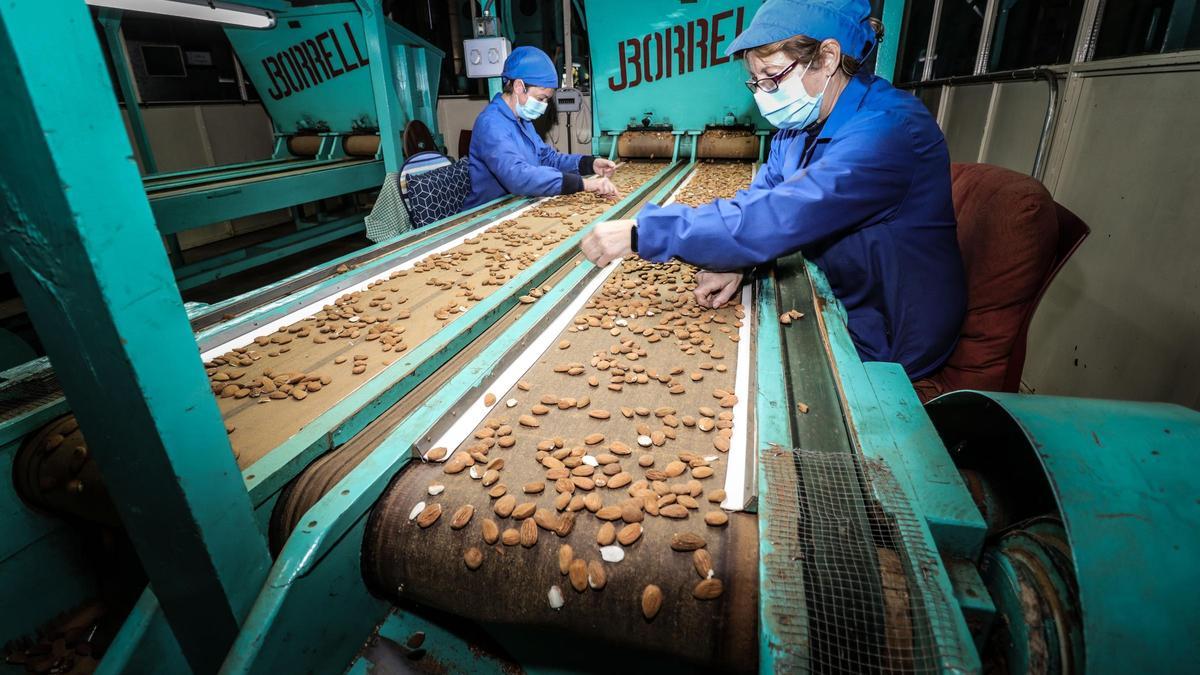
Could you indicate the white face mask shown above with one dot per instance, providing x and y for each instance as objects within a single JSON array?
[
  {"x": 532, "y": 108},
  {"x": 791, "y": 106}
]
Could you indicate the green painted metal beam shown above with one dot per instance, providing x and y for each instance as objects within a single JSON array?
[
  {"x": 80, "y": 242},
  {"x": 193, "y": 208},
  {"x": 268, "y": 251},
  {"x": 383, "y": 82},
  {"x": 110, "y": 19},
  {"x": 893, "y": 23}
]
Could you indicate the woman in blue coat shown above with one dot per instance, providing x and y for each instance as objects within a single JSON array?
[
  {"x": 507, "y": 155},
  {"x": 858, "y": 180}
]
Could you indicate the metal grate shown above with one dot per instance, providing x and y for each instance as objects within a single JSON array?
[
  {"x": 28, "y": 392},
  {"x": 839, "y": 589}
]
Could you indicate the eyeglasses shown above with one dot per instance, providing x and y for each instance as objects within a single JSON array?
[{"x": 768, "y": 85}]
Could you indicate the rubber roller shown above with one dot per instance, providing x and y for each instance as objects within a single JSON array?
[
  {"x": 304, "y": 146},
  {"x": 52, "y": 472},
  {"x": 361, "y": 145},
  {"x": 646, "y": 144},
  {"x": 727, "y": 144}
]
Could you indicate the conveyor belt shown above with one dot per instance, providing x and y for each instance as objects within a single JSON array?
[
  {"x": 631, "y": 387},
  {"x": 414, "y": 304},
  {"x": 269, "y": 173}
]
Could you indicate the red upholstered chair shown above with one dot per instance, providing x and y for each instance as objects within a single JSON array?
[{"x": 1014, "y": 239}]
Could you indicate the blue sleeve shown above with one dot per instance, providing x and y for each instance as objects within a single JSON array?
[
  {"x": 862, "y": 177},
  {"x": 548, "y": 156},
  {"x": 771, "y": 174},
  {"x": 514, "y": 172}
]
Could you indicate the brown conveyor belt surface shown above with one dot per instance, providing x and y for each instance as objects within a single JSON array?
[
  {"x": 343, "y": 345},
  {"x": 640, "y": 387}
]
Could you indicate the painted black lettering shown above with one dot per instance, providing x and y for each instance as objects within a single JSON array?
[
  {"x": 717, "y": 56},
  {"x": 362, "y": 60},
  {"x": 700, "y": 42},
  {"x": 346, "y": 66},
  {"x": 314, "y": 54},
  {"x": 286, "y": 57},
  {"x": 677, "y": 33},
  {"x": 613, "y": 85},
  {"x": 635, "y": 61},
  {"x": 326, "y": 54},
  {"x": 274, "y": 91},
  {"x": 305, "y": 64}
]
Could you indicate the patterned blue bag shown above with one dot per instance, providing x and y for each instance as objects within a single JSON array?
[{"x": 433, "y": 187}]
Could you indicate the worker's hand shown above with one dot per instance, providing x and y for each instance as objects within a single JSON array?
[
  {"x": 604, "y": 167},
  {"x": 601, "y": 186},
  {"x": 608, "y": 241},
  {"x": 714, "y": 289}
]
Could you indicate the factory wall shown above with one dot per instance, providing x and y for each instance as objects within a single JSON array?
[
  {"x": 456, "y": 113},
  {"x": 1121, "y": 320},
  {"x": 193, "y": 136}
]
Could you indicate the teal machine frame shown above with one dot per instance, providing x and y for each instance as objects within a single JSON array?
[
  {"x": 125, "y": 355},
  {"x": 317, "y": 74}
]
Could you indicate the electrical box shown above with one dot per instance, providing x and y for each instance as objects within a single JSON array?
[
  {"x": 485, "y": 56},
  {"x": 567, "y": 100}
]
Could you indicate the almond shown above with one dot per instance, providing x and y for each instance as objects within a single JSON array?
[
  {"x": 593, "y": 502},
  {"x": 565, "y": 556},
  {"x": 529, "y": 533},
  {"x": 619, "y": 448},
  {"x": 609, "y": 513},
  {"x": 593, "y": 439},
  {"x": 716, "y": 496},
  {"x": 687, "y": 541},
  {"x": 473, "y": 557},
  {"x": 577, "y": 571},
  {"x": 646, "y": 461},
  {"x": 435, "y": 454},
  {"x": 533, "y": 488},
  {"x": 702, "y": 472},
  {"x": 596, "y": 576},
  {"x": 688, "y": 501},
  {"x": 429, "y": 515},
  {"x": 652, "y": 599},
  {"x": 631, "y": 511},
  {"x": 457, "y": 463},
  {"x": 497, "y": 491},
  {"x": 708, "y": 589},
  {"x": 489, "y": 400},
  {"x": 491, "y": 531},
  {"x": 566, "y": 523},
  {"x": 524, "y": 510},
  {"x": 511, "y": 537},
  {"x": 562, "y": 501},
  {"x": 545, "y": 519},
  {"x": 528, "y": 421},
  {"x": 716, "y": 518},
  {"x": 462, "y": 516},
  {"x": 629, "y": 534},
  {"x": 702, "y": 561},
  {"x": 619, "y": 480},
  {"x": 505, "y": 505},
  {"x": 673, "y": 469}
]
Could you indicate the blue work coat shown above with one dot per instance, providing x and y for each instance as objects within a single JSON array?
[
  {"x": 866, "y": 197},
  {"x": 508, "y": 157}
]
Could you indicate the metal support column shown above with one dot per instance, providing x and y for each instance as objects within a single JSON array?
[
  {"x": 383, "y": 82},
  {"x": 111, "y": 20},
  {"x": 893, "y": 24},
  {"x": 79, "y": 239}
]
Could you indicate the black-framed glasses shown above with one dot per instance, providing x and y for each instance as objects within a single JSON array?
[{"x": 768, "y": 85}]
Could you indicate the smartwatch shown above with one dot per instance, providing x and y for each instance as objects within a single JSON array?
[{"x": 633, "y": 238}]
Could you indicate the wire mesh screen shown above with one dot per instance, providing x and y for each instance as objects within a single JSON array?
[
  {"x": 27, "y": 393},
  {"x": 839, "y": 589}
]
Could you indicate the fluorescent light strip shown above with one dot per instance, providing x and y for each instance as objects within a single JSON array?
[
  {"x": 735, "y": 471},
  {"x": 308, "y": 310},
  {"x": 219, "y": 12}
]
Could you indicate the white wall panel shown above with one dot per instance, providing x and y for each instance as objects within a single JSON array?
[
  {"x": 964, "y": 121},
  {"x": 1123, "y": 319}
]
